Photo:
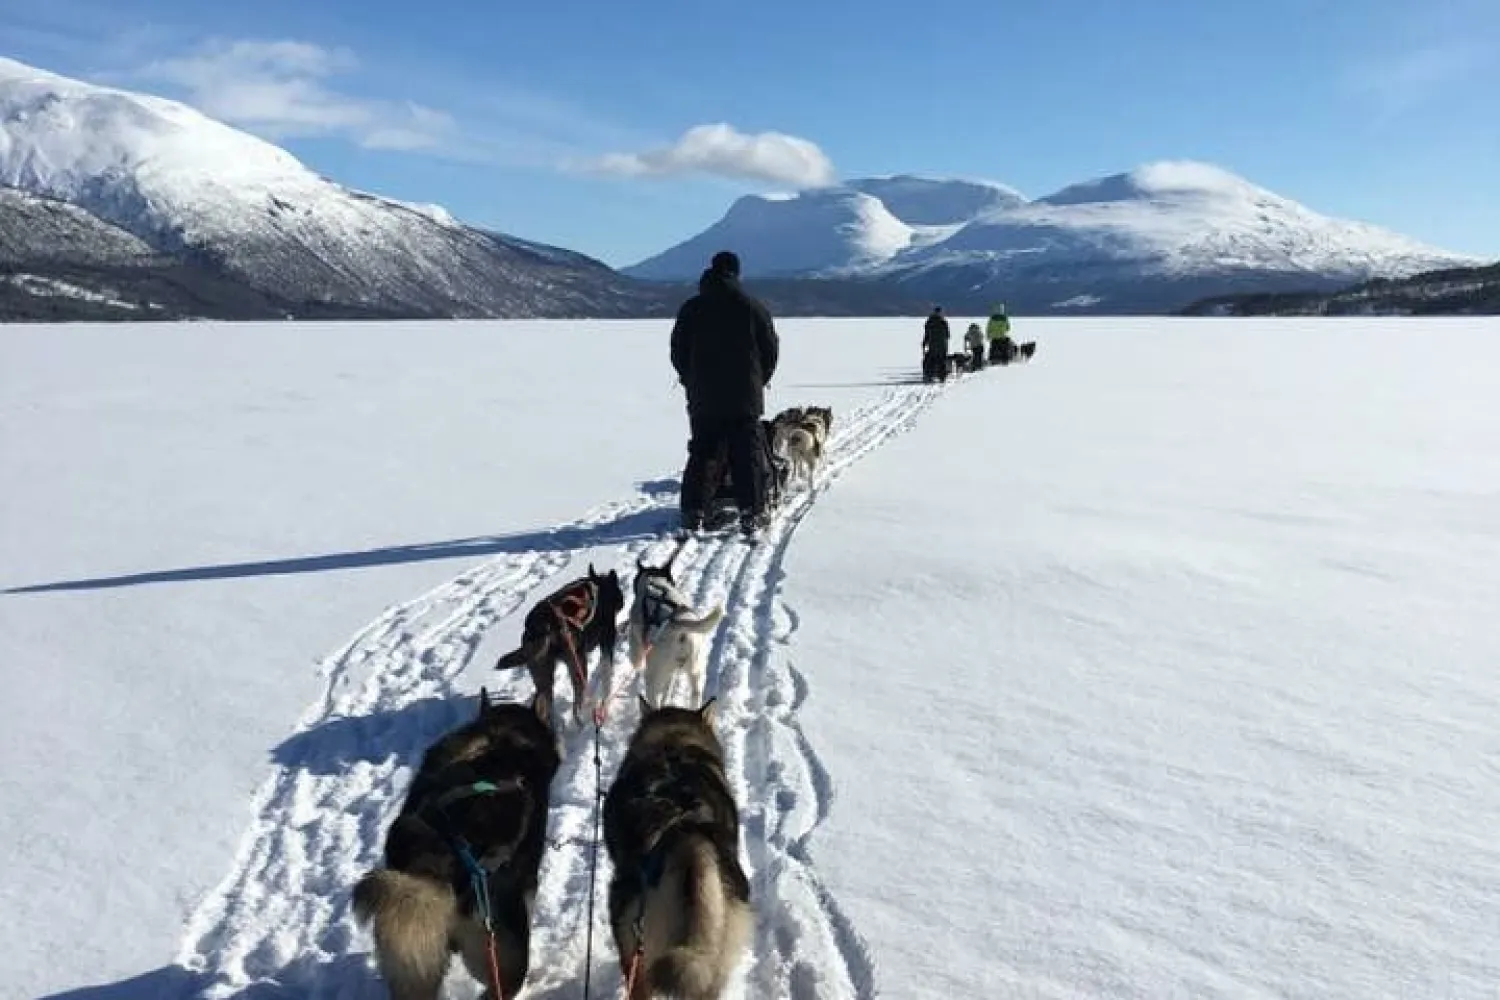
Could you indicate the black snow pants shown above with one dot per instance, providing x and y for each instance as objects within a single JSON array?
[
  {"x": 935, "y": 364},
  {"x": 743, "y": 441}
]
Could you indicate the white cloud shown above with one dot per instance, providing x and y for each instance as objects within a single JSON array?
[
  {"x": 290, "y": 89},
  {"x": 280, "y": 89},
  {"x": 721, "y": 150},
  {"x": 1401, "y": 82}
]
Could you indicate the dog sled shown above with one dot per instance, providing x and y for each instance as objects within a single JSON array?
[{"x": 720, "y": 510}]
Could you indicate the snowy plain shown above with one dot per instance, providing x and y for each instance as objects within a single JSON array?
[{"x": 1163, "y": 666}]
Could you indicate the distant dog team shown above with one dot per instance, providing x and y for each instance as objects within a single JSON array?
[{"x": 800, "y": 434}]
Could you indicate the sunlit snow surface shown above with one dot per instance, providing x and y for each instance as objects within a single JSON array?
[{"x": 1163, "y": 666}]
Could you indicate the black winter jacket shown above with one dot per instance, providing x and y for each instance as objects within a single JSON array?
[
  {"x": 935, "y": 335},
  {"x": 725, "y": 349}
]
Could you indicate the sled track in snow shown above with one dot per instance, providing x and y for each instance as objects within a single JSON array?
[{"x": 279, "y": 923}]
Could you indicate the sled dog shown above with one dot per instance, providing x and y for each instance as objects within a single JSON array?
[
  {"x": 483, "y": 788},
  {"x": 568, "y": 625},
  {"x": 679, "y": 901},
  {"x": 802, "y": 436},
  {"x": 1007, "y": 352},
  {"x": 667, "y": 635}
]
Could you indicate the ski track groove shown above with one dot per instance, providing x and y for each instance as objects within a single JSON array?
[{"x": 279, "y": 923}]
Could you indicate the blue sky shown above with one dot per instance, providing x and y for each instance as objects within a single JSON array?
[{"x": 618, "y": 129}]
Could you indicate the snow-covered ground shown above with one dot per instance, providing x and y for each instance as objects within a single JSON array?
[{"x": 1163, "y": 666}]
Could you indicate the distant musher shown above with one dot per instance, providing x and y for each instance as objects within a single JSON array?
[
  {"x": 1002, "y": 348},
  {"x": 974, "y": 344},
  {"x": 935, "y": 347}
]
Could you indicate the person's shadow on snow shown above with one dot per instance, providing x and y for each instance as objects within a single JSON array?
[
  {"x": 329, "y": 747},
  {"x": 631, "y": 526}
]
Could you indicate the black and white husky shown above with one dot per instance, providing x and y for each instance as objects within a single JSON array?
[
  {"x": 679, "y": 901},
  {"x": 668, "y": 637}
]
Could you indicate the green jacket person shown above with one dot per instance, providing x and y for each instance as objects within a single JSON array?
[
  {"x": 998, "y": 328},
  {"x": 1002, "y": 348}
]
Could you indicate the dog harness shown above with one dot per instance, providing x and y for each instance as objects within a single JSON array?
[
  {"x": 657, "y": 611},
  {"x": 575, "y": 607},
  {"x": 576, "y": 604},
  {"x": 494, "y": 860},
  {"x": 480, "y": 870}
]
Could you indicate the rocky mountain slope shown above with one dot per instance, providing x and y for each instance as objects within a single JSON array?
[{"x": 1463, "y": 291}]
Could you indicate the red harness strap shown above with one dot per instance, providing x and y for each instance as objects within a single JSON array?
[
  {"x": 492, "y": 949},
  {"x": 575, "y": 608}
]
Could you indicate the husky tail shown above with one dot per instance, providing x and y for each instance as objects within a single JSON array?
[
  {"x": 704, "y": 624},
  {"x": 530, "y": 651},
  {"x": 413, "y": 920},
  {"x": 800, "y": 439},
  {"x": 717, "y": 926}
]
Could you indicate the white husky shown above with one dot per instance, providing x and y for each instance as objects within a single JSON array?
[{"x": 668, "y": 637}]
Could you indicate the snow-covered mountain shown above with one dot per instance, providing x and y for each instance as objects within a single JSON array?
[
  {"x": 1148, "y": 240},
  {"x": 815, "y": 232},
  {"x": 833, "y": 231},
  {"x": 245, "y": 229},
  {"x": 938, "y": 202},
  {"x": 190, "y": 186}
]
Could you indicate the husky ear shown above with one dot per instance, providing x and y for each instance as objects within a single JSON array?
[
  {"x": 541, "y": 704},
  {"x": 592, "y": 574},
  {"x": 709, "y": 711},
  {"x": 484, "y": 701}
]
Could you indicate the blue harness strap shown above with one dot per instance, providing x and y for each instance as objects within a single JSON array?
[
  {"x": 653, "y": 866},
  {"x": 658, "y": 613},
  {"x": 479, "y": 876}
]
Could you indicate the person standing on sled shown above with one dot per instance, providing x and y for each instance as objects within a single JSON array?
[
  {"x": 1002, "y": 348},
  {"x": 974, "y": 344},
  {"x": 725, "y": 349},
  {"x": 935, "y": 347}
]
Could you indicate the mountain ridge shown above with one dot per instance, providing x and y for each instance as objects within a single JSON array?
[
  {"x": 162, "y": 199},
  {"x": 1126, "y": 242}
]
